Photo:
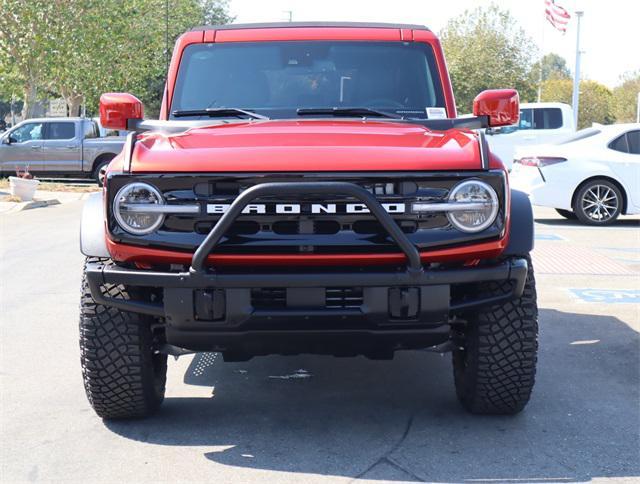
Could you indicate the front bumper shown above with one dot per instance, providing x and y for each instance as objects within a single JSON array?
[
  {"x": 219, "y": 312},
  {"x": 351, "y": 311}
]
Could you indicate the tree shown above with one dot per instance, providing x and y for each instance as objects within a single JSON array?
[
  {"x": 595, "y": 100},
  {"x": 25, "y": 45},
  {"x": 554, "y": 66},
  {"x": 78, "y": 49},
  {"x": 134, "y": 34},
  {"x": 625, "y": 98},
  {"x": 485, "y": 49}
]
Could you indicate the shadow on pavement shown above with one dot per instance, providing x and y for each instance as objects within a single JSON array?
[
  {"x": 400, "y": 420},
  {"x": 563, "y": 222}
]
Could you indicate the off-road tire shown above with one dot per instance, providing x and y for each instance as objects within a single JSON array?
[
  {"x": 495, "y": 372},
  {"x": 568, "y": 214},
  {"x": 123, "y": 378}
]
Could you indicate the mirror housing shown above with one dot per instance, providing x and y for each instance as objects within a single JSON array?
[
  {"x": 502, "y": 106},
  {"x": 120, "y": 111},
  {"x": 7, "y": 140}
]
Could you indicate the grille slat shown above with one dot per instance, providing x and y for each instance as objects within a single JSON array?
[
  {"x": 344, "y": 297},
  {"x": 335, "y": 298}
]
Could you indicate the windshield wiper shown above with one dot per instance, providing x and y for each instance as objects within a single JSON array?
[
  {"x": 218, "y": 113},
  {"x": 348, "y": 111}
]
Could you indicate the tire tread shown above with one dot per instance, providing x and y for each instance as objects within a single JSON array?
[
  {"x": 497, "y": 373},
  {"x": 115, "y": 349}
]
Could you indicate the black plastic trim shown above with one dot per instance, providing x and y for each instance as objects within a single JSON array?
[
  {"x": 99, "y": 274},
  {"x": 521, "y": 235}
]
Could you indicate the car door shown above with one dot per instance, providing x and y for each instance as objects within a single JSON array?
[
  {"x": 21, "y": 148},
  {"x": 62, "y": 147},
  {"x": 624, "y": 154}
]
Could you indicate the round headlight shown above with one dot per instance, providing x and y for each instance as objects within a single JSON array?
[
  {"x": 133, "y": 208},
  {"x": 485, "y": 206}
]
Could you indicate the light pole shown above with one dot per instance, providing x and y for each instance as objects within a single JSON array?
[
  {"x": 638, "y": 110},
  {"x": 576, "y": 75}
]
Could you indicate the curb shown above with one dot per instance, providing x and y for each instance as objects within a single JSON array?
[
  {"x": 52, "y": 198},
  {"x": 37, "y": 204},
  {"x": 20, "y": 206}
]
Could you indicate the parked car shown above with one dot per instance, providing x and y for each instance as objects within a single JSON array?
[
  {"x": 307, "y": 189},
  {"x": 593, "y": 176},
  {"x": 57, "y": 147},
  {"x": 540, "y": 123}
]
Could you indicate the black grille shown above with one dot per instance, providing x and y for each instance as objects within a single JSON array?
[
  {"x": 335, "y": 298},
  {"x": 269, "y": 298},
  {"x": 343, "y": 297},
  {"x": 318, "y": 232}
]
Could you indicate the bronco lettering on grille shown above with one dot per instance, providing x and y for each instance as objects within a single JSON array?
[{"x": 312, "y": 208}]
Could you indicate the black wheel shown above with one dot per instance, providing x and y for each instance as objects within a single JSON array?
[
  {"x": 100, "y": 170},
  {"x": 568, "y": 214},
  {"x": 495, "y": 372},
  {"x": 123, "y": 376},
  {"x": 598, "y": 202}
]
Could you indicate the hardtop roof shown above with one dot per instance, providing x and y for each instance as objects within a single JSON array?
[{"x": 284, "y": 25}]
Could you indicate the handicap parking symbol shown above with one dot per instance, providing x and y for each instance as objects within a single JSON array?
[
  {"x": 548, "y": 237},
  {"x": 608, "y": 296}
]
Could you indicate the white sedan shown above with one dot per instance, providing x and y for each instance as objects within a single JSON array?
[{"x": 593, "y": 175}]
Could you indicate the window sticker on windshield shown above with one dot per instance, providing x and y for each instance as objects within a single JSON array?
[{"x": 436, "y": 113}]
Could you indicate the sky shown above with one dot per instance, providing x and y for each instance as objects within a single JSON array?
[{"x": 609, "y": 29}]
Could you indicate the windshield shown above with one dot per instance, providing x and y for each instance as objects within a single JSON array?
[{"x": 277, "y": 78}]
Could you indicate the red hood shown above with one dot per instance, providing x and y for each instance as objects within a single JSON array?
[{"x": 310, "y": 145}]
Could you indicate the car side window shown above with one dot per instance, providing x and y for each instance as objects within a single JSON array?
[
  {"x": 633, "y": 142},
  {"x": 27, "y": 132},
  {"x": 526, "y": 119},
  {"x": 620, "y": 144},
  {"x": 61, "y": 130},
  {"x": 547, "y": 118},
  {"x": 90, "y": 129}
]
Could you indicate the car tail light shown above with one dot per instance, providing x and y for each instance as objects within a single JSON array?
[{"x": 540, "y": 161}]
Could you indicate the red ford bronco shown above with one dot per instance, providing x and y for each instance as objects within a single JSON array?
[{"x": 308, "y": 188}]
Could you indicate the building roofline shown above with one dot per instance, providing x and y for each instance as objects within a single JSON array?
[{"x": 284, "y": 25}]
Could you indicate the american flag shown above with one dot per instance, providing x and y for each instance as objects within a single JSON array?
[{"x": 556, "y": 15}]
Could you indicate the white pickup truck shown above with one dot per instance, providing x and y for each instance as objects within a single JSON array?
[{"x": 540, "y": 123}]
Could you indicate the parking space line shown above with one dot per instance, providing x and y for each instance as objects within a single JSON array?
[{"x": 607, "y": 296}]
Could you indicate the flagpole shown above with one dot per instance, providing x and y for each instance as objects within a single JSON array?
[
  {"x": 576, "y": 75},
  {"x": 540, "y": 62}
]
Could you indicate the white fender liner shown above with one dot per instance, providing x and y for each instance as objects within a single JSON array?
[{"x": 92, "y": 228}]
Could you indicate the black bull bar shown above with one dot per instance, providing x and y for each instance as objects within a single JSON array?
[{"x": 180, "y": 286}]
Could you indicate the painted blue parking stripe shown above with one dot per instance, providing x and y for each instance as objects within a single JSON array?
[
  {"x": 549, "y": 237},
  {"x": 608, "y": 296}
]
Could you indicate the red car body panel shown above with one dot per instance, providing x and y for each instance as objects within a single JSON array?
[
  {"x": 285, "y": 146},
  {"x": 144, "y": 256}
]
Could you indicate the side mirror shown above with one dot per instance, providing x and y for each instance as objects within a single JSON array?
[
  {"x": 7, "y": 140},
  {"x": 502, "y": 106},
  {"x": 119, "y": 110}
]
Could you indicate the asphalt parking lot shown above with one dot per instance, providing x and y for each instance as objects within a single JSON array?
[{"x": 321, "y": 419}]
